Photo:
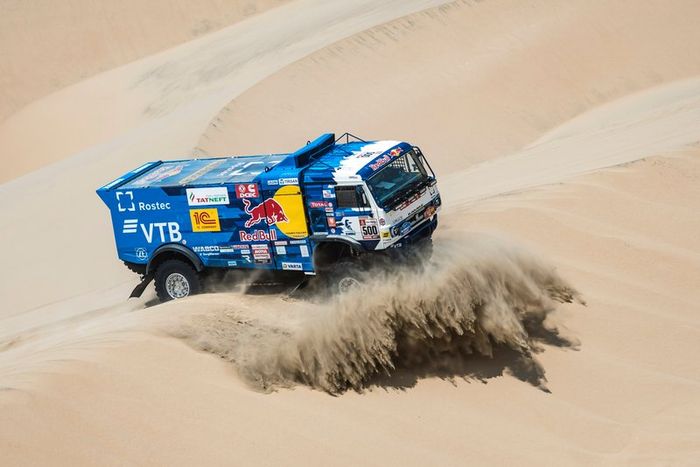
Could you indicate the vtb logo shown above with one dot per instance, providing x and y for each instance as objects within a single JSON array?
[{"x": 205, "y": 220}]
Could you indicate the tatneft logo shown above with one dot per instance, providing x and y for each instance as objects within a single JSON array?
[
  {"x": 169, "y": 230},
  {"x": 207, "y": 196}
]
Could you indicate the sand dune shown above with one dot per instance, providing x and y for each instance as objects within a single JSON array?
[
  {"x": 470, "y": 81},
  {"x": 526, "y": 110},
  {"x": 49, "y": 45}
]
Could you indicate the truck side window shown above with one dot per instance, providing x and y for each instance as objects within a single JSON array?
[{"x": 350, "y": 197}]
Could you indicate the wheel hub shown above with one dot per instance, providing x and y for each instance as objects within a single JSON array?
[
  {"x": 347, "y": 284},
  {"x": 177, "y": 286}
]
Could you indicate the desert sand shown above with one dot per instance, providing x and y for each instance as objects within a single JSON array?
[{"x": 566, "y": 140}]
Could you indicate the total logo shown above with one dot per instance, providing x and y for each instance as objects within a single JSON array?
[{"x": 165, "y": 230}]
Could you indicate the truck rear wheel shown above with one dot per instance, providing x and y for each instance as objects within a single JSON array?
[{"x": 176, "y": 279}]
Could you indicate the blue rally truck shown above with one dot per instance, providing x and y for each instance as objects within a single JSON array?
[{"x": 326, "y": 209}]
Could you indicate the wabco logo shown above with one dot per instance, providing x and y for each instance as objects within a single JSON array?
[
  {"x": 207, "y": 196},
  {"x": 169, "y": 230},
  {"x": 205, "y": 220}
]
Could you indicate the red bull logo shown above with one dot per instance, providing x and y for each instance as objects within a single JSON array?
[{"x": 269, "y": 210}]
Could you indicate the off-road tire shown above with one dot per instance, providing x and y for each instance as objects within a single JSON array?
[
  {"x": 344, "y": 271},
  {"x": 181, "y": 275}
]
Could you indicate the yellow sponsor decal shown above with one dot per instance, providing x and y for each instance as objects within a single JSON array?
[
  {"x": 292, "y": 204},
  {"x": 205, "y": 220}
]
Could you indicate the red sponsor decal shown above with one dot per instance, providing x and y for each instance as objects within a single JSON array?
[
  {"x": 258, "y": 236},
  {"x": 320, "y": 204},
  {"x": 380, "y": 162},
  {"x": 269, "y": 211},
  {"x": 331, "y": 221},
  {"x": 247, "y": 190},
  {"x": 385, "y": 159}
]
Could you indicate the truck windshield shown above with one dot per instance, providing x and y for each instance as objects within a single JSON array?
[{"x": 399, "y": 180}]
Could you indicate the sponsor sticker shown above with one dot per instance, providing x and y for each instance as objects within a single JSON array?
[
  {"x": 205, "y": 220},
  {"x": 247, "y": 190},
  {"x": 292, "y": 266},
  {"x": 380, "y": 162},
  {"x": 321, "y": 204},
  {"x": 289, "y": 181},
  {"x": 281, "y": 250},
  {"x": 206, "y": 249},
  {"x": 386, "y": 235},
  {"x": 261, "y": 252},
  {"x": 328, "y": 193},
  {"x": 369, "y": 229},
  {"x": 331, "y": 221},
  {"x": 269, "y": 211},
  {"x": 141, "y": 253},
  {"x": 231, "y": 263},
  {"x": 207, "y": 196},
  {"x": 258, "y": 236},
  {"x": 304, "y": 250}
]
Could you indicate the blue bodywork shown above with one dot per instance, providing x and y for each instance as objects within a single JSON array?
[{"x": 263, "y": 211}]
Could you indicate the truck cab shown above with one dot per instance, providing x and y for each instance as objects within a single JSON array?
[{"x": 330, "y": 206}]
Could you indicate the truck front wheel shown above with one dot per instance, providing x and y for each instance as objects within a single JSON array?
[
  {"x": 176, "y": 279},
  {"x": 345, "y": 276}
]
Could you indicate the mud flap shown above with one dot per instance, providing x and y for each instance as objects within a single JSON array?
[{"x": 138, "y": 290}]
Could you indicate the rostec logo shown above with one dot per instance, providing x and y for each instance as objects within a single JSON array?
[
  {"x": 205, "y": 220},
  {"x": 130, "y": 226},
  {"x": 269, "y": 210},
  {"x": 207, "y": 196},
  {"x": 125, "y": 201}
]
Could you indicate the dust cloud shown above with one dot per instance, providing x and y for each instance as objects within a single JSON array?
[{"x": 477, "y": 293}]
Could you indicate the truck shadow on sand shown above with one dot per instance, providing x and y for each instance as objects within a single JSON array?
[{"x": 504, "y": 361}]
